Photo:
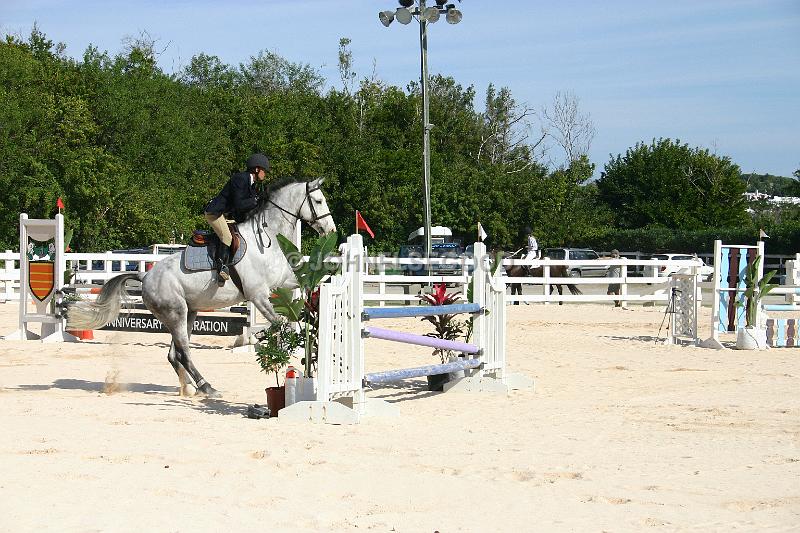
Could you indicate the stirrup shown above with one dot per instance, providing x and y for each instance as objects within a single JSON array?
[{"x": 222, "y": 274}]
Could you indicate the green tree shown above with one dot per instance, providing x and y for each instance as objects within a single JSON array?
[
  {"x": 669, "y": 184},
  {"x": 772, "y": 185}
]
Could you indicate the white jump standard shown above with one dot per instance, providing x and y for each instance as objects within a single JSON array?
[{"x": 341, "y": 379}]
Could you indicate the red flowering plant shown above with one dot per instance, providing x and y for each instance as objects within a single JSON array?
[{"x": 448, "y": 327}]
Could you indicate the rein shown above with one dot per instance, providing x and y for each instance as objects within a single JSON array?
[{"x": 307, "y": 198}]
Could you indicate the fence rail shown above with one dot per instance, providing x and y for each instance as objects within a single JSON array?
[{"x": 393, "y": 288}]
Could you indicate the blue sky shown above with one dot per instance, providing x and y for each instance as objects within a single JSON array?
[{"x": 719, "y": 74}]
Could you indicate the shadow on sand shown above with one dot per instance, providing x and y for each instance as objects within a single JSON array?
[{"x": 214, "y": 406}]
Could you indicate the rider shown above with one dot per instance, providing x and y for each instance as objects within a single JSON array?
[
  {"x": 236, "y": 199},
  {"x": 531, "y": 246}
]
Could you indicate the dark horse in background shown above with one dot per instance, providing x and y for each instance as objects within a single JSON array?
[{"x": 556, "y": 271}]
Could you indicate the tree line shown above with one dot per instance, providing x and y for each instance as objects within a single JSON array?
[{"x": 135, "y": 153}]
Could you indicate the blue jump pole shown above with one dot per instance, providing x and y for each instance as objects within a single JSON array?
[
  {"x": 420, "y": 310},
  {"x": 390, "y": 376},
  {"x": 782, "y": 307},
  {"x": 420, "y": 340}
]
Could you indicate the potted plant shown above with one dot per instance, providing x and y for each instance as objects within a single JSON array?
[
  {"x": 447, "y": 327},
  {"x": 273, "y": 352},
  {"x": 753, "y": 336},
  {"x": 302, "y": 313}
]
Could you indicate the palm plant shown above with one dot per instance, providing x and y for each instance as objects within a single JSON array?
[
  {"x": 305, "y": 309},
  {"x": 755, "y": 290}
]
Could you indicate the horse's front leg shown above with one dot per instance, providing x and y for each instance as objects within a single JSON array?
[
  {"x": 560, "y": 292},
  {"x": 179, "y": 354},
  {"x": 183, "y": 376},
  {"x": 264, "y": 306}
]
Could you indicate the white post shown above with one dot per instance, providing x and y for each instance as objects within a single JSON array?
[
  {"x": 760, "y": 308},
  {"x": 717, "y": 287},
  {"x": 23, "y": 278},
  {"x": 479, "y": 274},
  {"x": 382, "y": 284},
  {"x": 546, "y": 273},
  {"x": 355, "y": 262},
  {"x": 8, "y": 283}
]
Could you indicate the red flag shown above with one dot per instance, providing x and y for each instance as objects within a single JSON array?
[
  {"x": 362, "y": 224},
  {"x": 59, "y": 203}
]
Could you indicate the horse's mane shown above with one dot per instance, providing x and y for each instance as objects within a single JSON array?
[{"x": 269, "y": 190}]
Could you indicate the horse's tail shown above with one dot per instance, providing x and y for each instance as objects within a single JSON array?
[
  {"x": 96, "y": 314},
  {"x": 573, "y": 289}
]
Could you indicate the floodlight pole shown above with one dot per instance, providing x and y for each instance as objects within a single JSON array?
[{"x": 426, "y": 131}]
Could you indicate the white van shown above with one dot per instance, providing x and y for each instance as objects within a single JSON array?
[{"x": 705, "y": 271}]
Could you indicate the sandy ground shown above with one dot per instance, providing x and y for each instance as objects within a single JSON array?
[{"x": 621, "y": 434}]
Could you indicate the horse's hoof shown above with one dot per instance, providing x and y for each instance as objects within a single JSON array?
[{"x": 208, "y": 391}]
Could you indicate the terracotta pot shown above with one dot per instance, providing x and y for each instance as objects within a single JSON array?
[
  {"x": 82, "y": 334},
  {"x": 276, "y": 399}
]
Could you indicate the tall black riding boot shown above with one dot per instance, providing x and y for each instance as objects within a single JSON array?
[{"x": 223, "y": 259}]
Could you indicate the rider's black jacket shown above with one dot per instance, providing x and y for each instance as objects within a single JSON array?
[{"x": 235, "y": 199}]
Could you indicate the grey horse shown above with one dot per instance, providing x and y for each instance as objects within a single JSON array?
[{"x": 174, "y": 295}]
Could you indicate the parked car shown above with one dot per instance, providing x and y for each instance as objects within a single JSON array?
[
  {"x": 163, "y": 249},
  {"x": 706, "y": 272},
  {"x": 590, "y": 269},
  {"x": 450, "y": 250}
]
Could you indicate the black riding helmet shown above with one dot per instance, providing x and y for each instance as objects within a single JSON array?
[{"x": 258, "y": 160}]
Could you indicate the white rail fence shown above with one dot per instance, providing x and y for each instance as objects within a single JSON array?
[{"x": 384, "y": 287}]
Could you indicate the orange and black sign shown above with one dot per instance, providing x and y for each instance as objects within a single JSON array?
[{"x": 41, "y": 278}]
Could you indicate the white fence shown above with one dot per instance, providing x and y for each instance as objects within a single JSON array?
[{"x": 382, "y": 288}]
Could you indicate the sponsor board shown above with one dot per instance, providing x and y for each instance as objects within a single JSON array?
[{"x": 203, "y": 325}]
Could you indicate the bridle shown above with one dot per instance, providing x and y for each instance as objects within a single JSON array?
[{"x": 314, "y": 215}]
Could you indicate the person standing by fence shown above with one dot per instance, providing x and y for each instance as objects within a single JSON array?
[{"x": 615, "y": 271}]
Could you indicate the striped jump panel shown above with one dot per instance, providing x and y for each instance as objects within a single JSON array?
[{"x": 782, "y": 332}]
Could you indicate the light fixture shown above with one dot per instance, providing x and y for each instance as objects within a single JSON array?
[
  {"x": 406, "y": 3},
  {"x": 386, "y": 17},
  {"x": 403, "y": 15},
  {"x": 431, "y": 14},
  {"x": 453, "y": 15}
]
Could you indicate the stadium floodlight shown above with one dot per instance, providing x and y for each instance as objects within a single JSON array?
[
  {"x": 403, "y": 15},
  {"x": 386, "y": 17},
  {"x": 453, "y": 15},
  {"x": 431, "y": 14}
]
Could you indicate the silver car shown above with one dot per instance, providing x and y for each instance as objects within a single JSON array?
[{"x": 589, "y": 269}]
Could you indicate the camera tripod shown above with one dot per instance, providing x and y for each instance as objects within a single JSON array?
[{"x": 668, "y": 313}]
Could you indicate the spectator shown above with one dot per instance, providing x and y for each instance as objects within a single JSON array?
[{"x": 615, "y": 271}]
